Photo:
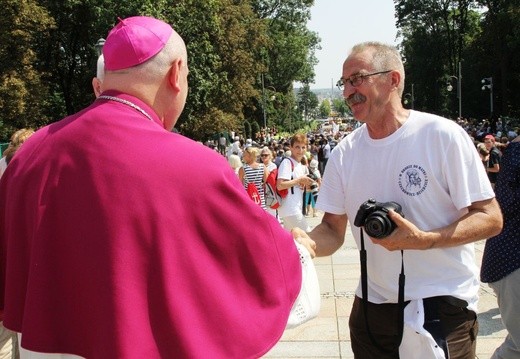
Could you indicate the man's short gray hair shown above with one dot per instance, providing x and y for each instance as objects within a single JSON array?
[{"x": 386, "y": 57}]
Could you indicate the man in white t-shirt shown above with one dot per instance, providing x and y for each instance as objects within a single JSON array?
[
  {"x": 429, "y": 166},
  {"x": 236, "y": 148},
  {"x": 292, "y": 176}
]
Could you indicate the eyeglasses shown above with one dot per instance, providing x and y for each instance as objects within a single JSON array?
[
  {"x": 357, "y": 80},
  {"x": 264, "y": 155}
]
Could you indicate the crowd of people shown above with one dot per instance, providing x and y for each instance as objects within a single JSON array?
[
  {"x": 300, "y": 174},
  {"x": 112, "y": 250}
]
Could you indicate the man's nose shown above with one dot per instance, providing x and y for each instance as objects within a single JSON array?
[{"x": 348, "y": 90}]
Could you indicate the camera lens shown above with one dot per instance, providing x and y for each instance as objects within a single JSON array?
[{"x": 378, "y": 225}]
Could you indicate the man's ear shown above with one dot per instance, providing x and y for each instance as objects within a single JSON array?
[
  {"x": 96, "y": 86},
  {"x": 396, "y": 79},
  {"x": 174, "y": 75}
]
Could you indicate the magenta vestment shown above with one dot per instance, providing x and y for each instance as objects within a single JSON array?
[{"x": 120, "y": 239}]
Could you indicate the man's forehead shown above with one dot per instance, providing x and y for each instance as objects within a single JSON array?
[{"x": 355, "y": 64}]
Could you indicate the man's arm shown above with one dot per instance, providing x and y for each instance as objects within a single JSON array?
[
  {"x": 282, "y": 184},
  {"x": 329, "y": 235},
  {"x": 241, "y": 174},
  {"x": 494, "y": 163},
  {"x": 483, "y": 220},
  {"x": 494, "y": 169}
]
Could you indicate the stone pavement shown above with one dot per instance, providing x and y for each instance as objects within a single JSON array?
[{"x": 327, "y": 336}]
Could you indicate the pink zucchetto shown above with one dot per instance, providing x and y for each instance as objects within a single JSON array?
[{"x": 133, "y": 41}]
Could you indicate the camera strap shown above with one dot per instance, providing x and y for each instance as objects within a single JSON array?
[{"x": 364, "y": 295}]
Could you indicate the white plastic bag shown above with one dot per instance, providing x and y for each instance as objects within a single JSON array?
[{"x": 307, "y": 305}]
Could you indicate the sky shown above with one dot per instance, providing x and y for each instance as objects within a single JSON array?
[{"x": 343, "y": 23}]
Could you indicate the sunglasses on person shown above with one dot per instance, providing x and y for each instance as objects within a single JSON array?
[{"x": 264, "y": 155}]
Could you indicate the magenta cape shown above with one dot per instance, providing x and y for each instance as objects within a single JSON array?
[{"x": 120, "y": 239}]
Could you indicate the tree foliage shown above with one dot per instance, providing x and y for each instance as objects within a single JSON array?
[
  {"x": 307, "y": 102},
  {"x": 24, "y": 92},
  {"x": 481, "y": 36},
  {"x": 230, "y": 44},
  {"x": 325, "y": 108},
  {"x": 339, "y": 105}
]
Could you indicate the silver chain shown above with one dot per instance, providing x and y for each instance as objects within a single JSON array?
[{"x": 128, "y": 103}]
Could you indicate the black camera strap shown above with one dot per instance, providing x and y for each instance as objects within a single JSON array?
[{"x": 364, "y": 294}]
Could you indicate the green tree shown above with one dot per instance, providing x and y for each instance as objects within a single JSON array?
[
  {"x": 289, "y": 54},
  {"x": 24, "y": 94},
  {"x": 444, "y": 25},
  {"x": 223, "y": 38},
  {"x": 498, "y": 49},
  {"x": 255, "y": 130},
  {"x": 339, "y": 105},
  {"x": 325, "y": 108},
  {"x": 307, "y": 101},
  {"x": 247, "y": 129},
  {"x": 229, "y": 45},
  {"x": 482, "y": 35}
]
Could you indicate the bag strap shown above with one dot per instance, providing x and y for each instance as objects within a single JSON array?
[
  {"x": 292, "y": 171},
  {"x": 364, "y": 295}
]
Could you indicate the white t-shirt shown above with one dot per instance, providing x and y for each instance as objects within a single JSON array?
[
  {"x": 293, "y": 203},
  {"x": 431, "y": 168}
]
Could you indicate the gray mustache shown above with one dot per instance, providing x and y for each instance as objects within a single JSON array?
[{"x": 355, "y": 98}]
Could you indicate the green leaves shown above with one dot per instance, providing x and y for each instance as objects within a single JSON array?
[
  {"x": 48, "y": 57},
  {"x": 438, "y": 34}
]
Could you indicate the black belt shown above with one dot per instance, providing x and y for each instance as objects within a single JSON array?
[{"x": 456, "y": 302}]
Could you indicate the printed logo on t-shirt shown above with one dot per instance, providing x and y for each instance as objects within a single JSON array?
[{"x": 413, "y": 180}]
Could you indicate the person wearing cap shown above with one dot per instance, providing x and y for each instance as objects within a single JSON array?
[
  {"x": 112, "y": 250},
  {"x": 493, "y": 162}
]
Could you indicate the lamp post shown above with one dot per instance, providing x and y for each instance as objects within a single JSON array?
[
  {"x": 411, "y": 96},
  {"x": 99, "y": 46},
  {"x": 488, "y": 84},
  {"x": 459, "y": 89}
]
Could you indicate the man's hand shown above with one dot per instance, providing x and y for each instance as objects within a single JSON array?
[
  {"x": 304, "y": 181},
  {"x": 303, "y": 238},
  {"x": 405, "y": 236},
  {"x": 482, "y": 220}
]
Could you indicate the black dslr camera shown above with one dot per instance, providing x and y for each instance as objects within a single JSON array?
[{"x": 374, "y": 217}]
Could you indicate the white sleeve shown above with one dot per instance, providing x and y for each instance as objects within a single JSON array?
[
  {"x": 284, "y": 170},
  {"x": 466, "y": 176}
]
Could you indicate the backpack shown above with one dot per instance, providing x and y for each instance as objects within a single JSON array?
[
  {"x": 252, "y": 191},
  {"x": 273, "y": 196}
]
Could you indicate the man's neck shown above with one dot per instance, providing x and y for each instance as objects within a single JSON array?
[{"x": 388, "y": 124}]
